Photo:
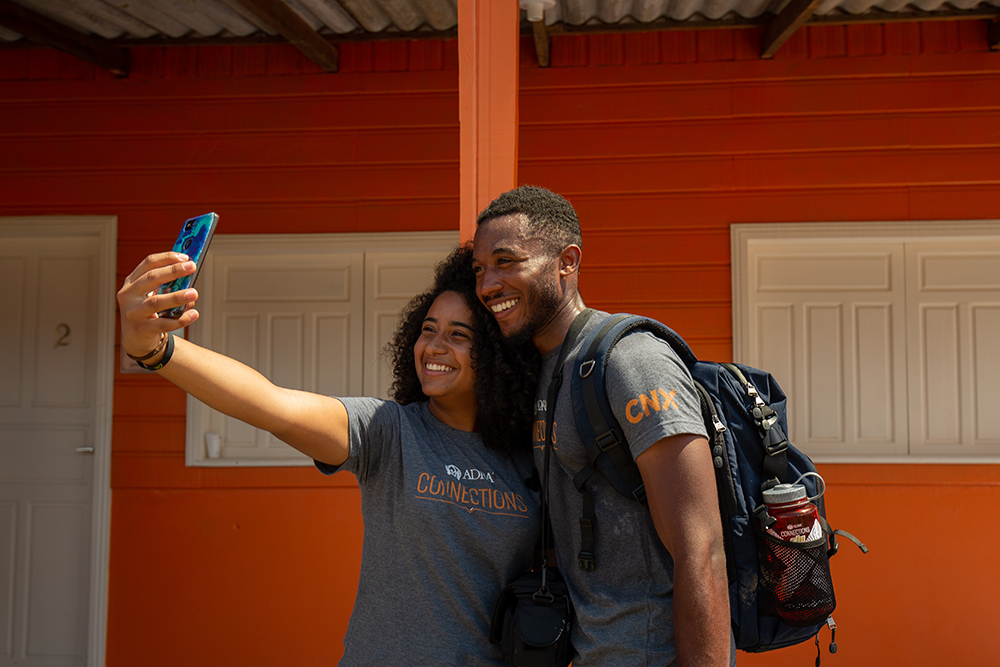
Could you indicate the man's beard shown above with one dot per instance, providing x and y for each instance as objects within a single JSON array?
[{"x": 544, "y": 303}]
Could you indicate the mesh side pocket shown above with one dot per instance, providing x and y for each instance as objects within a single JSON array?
[{"x": 795, "y": 583}]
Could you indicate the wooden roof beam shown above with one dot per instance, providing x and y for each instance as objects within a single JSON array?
[
  {"x": 53, "y": 34},
  {"x": 795, "y": 15},
  {"x": 283, "y": 20}
]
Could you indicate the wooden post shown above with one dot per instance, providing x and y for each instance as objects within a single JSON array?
[{"x": 488, "y": 39}]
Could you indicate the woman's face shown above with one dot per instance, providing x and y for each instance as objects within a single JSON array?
[{"x": 443, "y": 352}]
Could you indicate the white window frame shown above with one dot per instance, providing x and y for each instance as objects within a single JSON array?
[
  {"x": 746, "y": 346},
  {"x": 413, "y": 250}
]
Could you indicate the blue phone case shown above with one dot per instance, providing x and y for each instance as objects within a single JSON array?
[{"x": 193, "y": 241}]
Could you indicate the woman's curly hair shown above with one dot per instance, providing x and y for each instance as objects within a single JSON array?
[{"x": 506, "y": 375}]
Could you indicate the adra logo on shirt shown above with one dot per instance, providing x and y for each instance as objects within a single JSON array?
[
  {"x": 471, "y": 474},
  {"x": 470, "y": 493}
]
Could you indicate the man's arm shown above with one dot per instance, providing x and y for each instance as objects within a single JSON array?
[
  {"x": 315, "y": 425},
  {"x": 680, "y": 488}
]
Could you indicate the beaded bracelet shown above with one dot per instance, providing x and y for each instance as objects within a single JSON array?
[
  {"x": 169, "y": 338},
  {"x": 156, "y": 350}
]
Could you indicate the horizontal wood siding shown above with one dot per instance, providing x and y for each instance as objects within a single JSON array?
[
  {"x": 659, "y": 159},
  {"x": 662, "y": 140}
]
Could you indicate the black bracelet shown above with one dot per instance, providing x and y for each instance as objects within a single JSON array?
[
  {"x": 166, "y": 355},
  {"x": 156, "y": 350}
]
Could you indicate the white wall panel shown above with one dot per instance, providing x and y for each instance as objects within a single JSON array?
[
  {"x": 777, "y": 355},
  {"x": 939, "y": 370},
  {"x": 822, "y": 271},
  {"x": 986, "y": 371},
  {"x": 333, "y": 343},
  {"x": 287, "y": 354},
  {"x": 824, "y": 363},
  {"x": 874, "y": 387},
  {"x": 239, "y": 341}
]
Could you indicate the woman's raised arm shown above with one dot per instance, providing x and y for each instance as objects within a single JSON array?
[{"x": 315, "y": 425}]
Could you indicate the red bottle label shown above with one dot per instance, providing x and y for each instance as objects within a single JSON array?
[{"x": 795, "y": 522}]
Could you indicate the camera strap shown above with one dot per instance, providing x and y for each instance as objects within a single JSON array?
[{"x": 550, "y": 409}]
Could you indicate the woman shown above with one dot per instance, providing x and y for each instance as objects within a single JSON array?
[{"x": 448, "y": 521}]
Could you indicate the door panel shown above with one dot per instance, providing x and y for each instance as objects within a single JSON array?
[
  {"x": 953, "y": 306},
  {"x": 827, "y": 319}
]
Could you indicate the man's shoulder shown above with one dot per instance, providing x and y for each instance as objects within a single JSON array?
[{"x": 636, "y": 347}]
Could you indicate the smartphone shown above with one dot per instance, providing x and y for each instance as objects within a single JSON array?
[{"x": 193, "y": 241}]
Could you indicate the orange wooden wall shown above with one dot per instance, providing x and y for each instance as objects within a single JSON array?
[{"x": 661, "y": 140}]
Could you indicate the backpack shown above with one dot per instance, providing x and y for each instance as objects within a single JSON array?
[{"x": 744, "y": 413}]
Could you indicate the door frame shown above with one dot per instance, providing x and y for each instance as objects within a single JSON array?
[{"x": 105, "y": 229}]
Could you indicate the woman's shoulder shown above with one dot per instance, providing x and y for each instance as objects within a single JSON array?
[{"x": 367, "y": 409}]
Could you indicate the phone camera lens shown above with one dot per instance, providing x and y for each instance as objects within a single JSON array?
[
  {"x": 187, "y": 243},
  {"x": 189, "y": 226}
]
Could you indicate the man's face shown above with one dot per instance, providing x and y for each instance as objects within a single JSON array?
[{"x": 516, "y": 279}]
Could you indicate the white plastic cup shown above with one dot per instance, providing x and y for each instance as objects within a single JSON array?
[{"x": 213, "y": 445}]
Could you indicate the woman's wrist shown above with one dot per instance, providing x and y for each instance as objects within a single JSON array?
[
  {"x": 160, "y": 355},
  {"x": 160, "y": 345}
]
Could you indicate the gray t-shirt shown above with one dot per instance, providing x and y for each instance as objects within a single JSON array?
[
  {"x": 623, "y": 607},
  {"x": 448, "y": 523}
]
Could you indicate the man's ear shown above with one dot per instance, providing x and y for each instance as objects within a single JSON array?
[{"x": 569, "y": 260}]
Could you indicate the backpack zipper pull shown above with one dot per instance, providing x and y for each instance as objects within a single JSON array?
[
  {"x": 833, "y": 634},
  {"x": 720, "y": 442},
  {"x": 719, "y": 426}
]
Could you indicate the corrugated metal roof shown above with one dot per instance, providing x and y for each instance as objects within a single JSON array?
[{"x": 174, "y": 19}]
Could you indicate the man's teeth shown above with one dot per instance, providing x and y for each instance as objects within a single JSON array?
[
  {"x": 438, "y": 367},
  {"x": 503, "y": 305}
]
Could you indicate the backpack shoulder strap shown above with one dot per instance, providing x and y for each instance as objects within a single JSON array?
[{"x": 599, "y": 430}]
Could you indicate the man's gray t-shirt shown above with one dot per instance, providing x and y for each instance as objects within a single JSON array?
[
  {"x": 448, "y": 523},
  {"x": 623, "y": 607}
]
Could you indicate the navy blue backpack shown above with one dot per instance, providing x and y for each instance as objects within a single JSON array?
[{"x": 744, "y": 413}]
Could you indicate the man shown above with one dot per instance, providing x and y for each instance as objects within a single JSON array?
[{"x": 648, "y": 601}]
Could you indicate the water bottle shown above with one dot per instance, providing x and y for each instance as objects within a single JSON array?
[
  {"x": 796, "y": 519},
  {"x": 795, "y": 583}
]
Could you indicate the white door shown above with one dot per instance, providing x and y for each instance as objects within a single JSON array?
[{"x": 48, "y": 387}]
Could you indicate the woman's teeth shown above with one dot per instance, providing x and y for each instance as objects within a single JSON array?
[{"x": 437, "y": 367}]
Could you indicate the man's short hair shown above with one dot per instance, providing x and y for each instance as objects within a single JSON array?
[{"x": 548, "y": 215}]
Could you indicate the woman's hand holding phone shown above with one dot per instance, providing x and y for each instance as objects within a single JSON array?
[
  {"x": 156, "y": 298},
  {"x": 140, "y": 302}
]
